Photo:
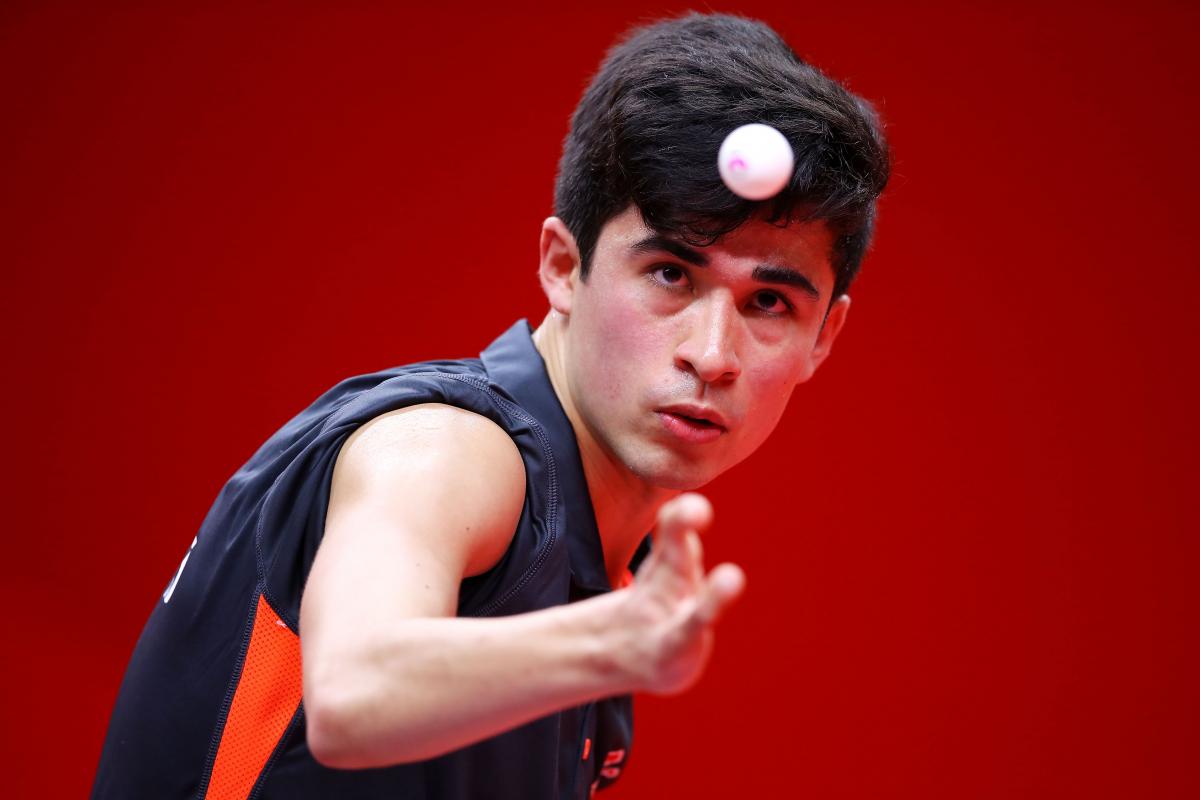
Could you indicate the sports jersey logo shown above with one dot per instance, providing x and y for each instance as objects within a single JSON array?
[
  {"x": 612, "y": 764},
  {"x": 174, "y": 581},
  {"x": 611, "y": 768}
]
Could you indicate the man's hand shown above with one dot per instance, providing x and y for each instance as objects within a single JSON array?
[{"x": 671, "y": 609}]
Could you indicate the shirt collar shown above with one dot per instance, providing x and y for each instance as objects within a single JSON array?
[{"x": 514, "y": 363}]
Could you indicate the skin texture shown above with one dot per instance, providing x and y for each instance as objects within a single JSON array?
[
  {"x": 647, "y": 330},
  {"x": 425, "y": 496}
]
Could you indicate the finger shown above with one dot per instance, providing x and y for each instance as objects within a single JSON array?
[
  {"x": 648, "y": 568},
  {"x": 688, "y": 512},
  {"x": 721, "y": 588},
  {"x": 695, "y": 557},
  {"x": 680, "y": 566}
]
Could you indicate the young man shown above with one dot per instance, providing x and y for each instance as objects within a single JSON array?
[{"x": 420, "y": 586}]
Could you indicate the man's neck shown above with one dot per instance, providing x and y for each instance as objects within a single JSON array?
[{"x": 624, "y": 505}]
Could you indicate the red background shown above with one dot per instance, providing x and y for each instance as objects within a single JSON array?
[{"x": 972, "y": 543}]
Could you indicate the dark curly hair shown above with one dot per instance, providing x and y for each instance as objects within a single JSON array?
[{"x": 648, "y": 128}]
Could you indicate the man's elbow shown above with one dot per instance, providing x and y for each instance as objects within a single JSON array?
[
  {"x": 337, "y": 737},
  {"x": 329, "y": 734}
]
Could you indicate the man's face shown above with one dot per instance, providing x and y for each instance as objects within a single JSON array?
[{"x": 682, "y": 359}]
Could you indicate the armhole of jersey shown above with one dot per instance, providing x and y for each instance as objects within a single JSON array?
[{"x": 485, "y": 593}]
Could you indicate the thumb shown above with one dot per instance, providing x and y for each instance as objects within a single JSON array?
[{"x": 721, "y": 588}]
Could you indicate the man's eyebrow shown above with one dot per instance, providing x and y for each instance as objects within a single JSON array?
[
  {"x": 764, "y": 273},
  {"x": 787, "y": 277},
  {"x": 652, "y": 244}
]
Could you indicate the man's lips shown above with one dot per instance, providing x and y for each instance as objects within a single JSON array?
[
  {"x": 692, "y": 423},
  {"x": 697, "y": 414}
]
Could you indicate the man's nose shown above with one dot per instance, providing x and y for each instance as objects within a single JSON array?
[{"x": 710, "y": 348}]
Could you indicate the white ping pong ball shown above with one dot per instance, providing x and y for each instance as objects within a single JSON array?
[{"x": 755, "y": 161}]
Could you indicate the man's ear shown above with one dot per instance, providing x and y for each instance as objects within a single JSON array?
[
  {"x": 558, "y": 268},
  {"x": 834, "y": 321}
]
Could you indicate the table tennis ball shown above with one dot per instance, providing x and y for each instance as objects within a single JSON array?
[{"x": 755, "y": 161}]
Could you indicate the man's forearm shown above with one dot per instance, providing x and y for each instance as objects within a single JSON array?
[
  {"x": 379, "y": 691},
  {"x": 436, "y": 684}
]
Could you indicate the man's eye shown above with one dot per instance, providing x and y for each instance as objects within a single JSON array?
[
  {"x": 770, "y": 302},
  {"x": 672, "y": 276}
]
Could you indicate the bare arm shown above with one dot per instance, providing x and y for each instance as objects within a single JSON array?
[{"x": 390, "y": 675}]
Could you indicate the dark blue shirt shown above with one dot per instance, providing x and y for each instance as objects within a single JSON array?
[{"x": 210, "y": 706}]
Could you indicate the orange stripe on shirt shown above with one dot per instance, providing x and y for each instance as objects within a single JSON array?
[{"x": 266, "y": 699}]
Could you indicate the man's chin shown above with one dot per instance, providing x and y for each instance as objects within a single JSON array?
[{"x": 677, "y": 474}]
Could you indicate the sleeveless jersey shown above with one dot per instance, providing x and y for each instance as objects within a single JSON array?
[{"x": 210, "y": 706}]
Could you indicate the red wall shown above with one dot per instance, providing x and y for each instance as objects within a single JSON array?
[{"x": 971, "y": 545}]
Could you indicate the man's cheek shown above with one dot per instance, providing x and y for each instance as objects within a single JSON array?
[
  {"x": 626, "y": 357},
  {"x": 629, "y": 331},
  {"x": 772, "y": 386}
]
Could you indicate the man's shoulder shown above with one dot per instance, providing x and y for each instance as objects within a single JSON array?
[
  {"x": 463, "y": 468},
  {"x": 430, "y": 429}
]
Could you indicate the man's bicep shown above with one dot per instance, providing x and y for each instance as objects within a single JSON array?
[{"x": 421, "y": 497}]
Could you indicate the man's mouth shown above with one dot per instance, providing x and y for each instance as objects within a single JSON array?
[
  {"x": 696, "y": 414},
  {"x": 692, "y": 424}
]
